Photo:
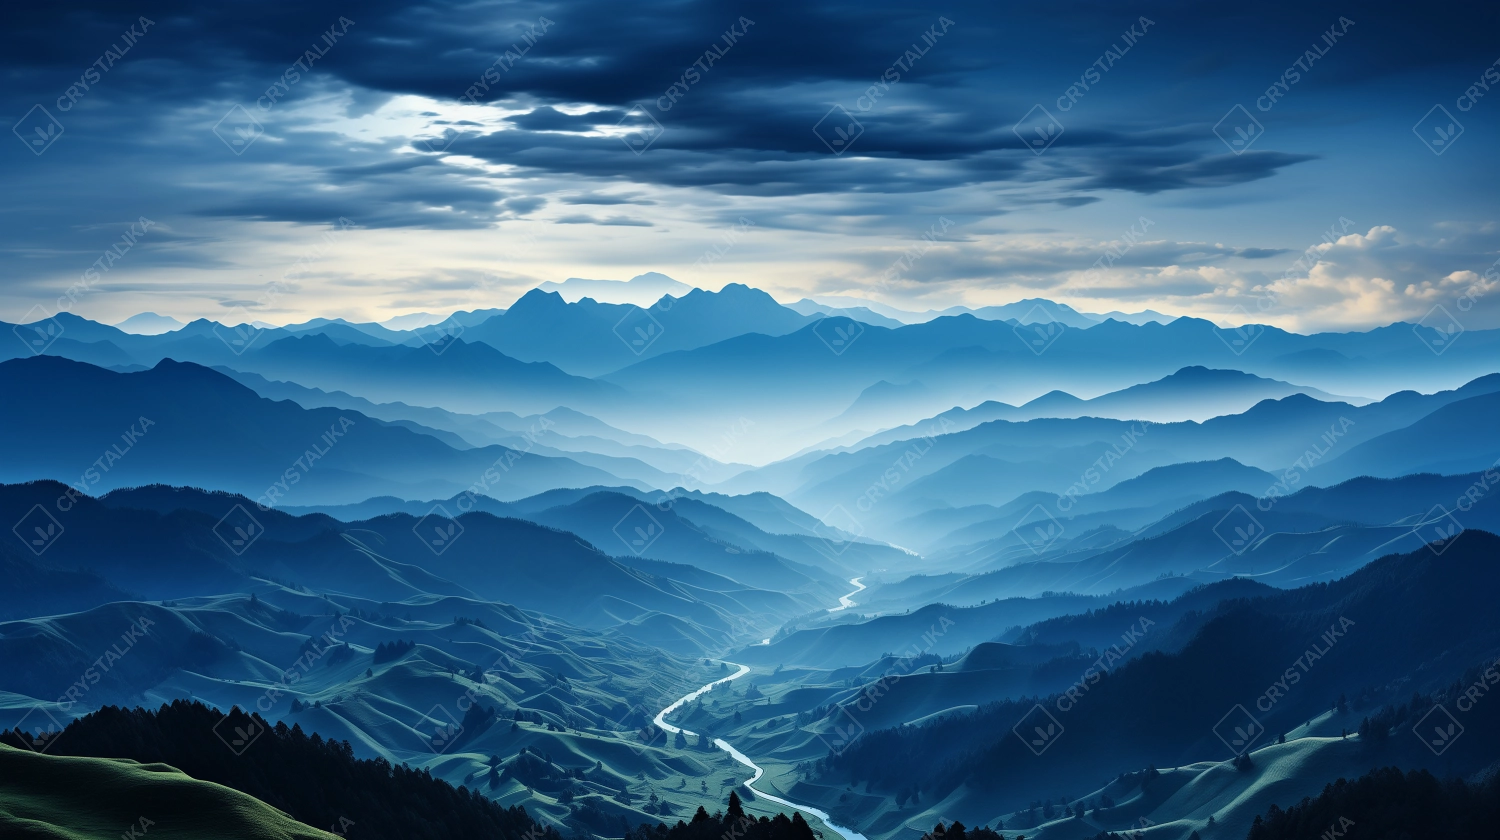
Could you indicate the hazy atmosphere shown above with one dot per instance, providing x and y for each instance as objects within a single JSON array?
[
  {"x": 464, "y": 153},
  {"x": 694, "y": 421}
]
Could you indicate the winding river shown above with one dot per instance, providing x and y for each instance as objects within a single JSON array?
[
  {"x": 845, "y": 603},
  {"x": 847, "y": 833}
]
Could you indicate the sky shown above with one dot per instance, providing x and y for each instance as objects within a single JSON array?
[{"x": 1310, "y": 165}]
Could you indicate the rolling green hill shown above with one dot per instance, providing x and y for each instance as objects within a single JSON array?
[{"x": 45, "y": 797}]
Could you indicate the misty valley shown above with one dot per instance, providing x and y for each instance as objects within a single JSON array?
[{"x": 527, "y": 420}]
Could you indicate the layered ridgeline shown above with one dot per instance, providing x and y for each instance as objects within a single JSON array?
[
  {"x": 179, "y": 423},
  {"x": 360, "y": 631},
  {"x": 941, "y": 466},
  {"x": 986, "y": 590},
  {"x": 966, "y": 499},
  {"x": 160, "y": 543},
  {"x": 522, "y": 707},
  {"x": 1311, "y": 684},
  {"x": 688, "y": 367},
  {"x": 559, "y": 432},
  {"x": 1314, "y": 534},
  {"x": 1344, "y": 657}
]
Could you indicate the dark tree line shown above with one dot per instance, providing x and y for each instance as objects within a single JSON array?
[
  {"x": 731, "y": 824},
  {"x": 318, "y": 782},
  {"x": 393, "y": 651},
  {"x": 1387, "y": 804}
]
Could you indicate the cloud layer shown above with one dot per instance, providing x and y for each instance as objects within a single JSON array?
[{"x": 524, "y": 142}]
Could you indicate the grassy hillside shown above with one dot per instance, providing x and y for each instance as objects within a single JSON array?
[
  {"x": 45, "y": 797},
  {"x": 319, "y": 782},
  {"x": 1413, "y": 620}
]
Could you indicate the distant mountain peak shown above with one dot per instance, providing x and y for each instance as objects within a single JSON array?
[
  {"x": 538, "y": 297},
  {"x": 1053, "y": 398},
  {"x": 1199, "y": 372},
  {"x": 149, "y": 323},
  {"x": 642, "y": 290}
]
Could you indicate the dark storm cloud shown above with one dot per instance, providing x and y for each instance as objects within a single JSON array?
[
  {"x": 604, "y": 200},
  {"x": 610, "y": 221},
  {"x": 308, "y": 187},
  {"x": 1045, "y": 264},
  {"x": 1150, "y": 173},
  {"x": 524, "y": 204},
  {"x": 935, "y": 119},
  {"x": 547, "y": 118}
]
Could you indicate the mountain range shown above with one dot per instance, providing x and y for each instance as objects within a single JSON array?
[
  {"x": 789, "y": 369},
  {"x": 587, "y": 563}
]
